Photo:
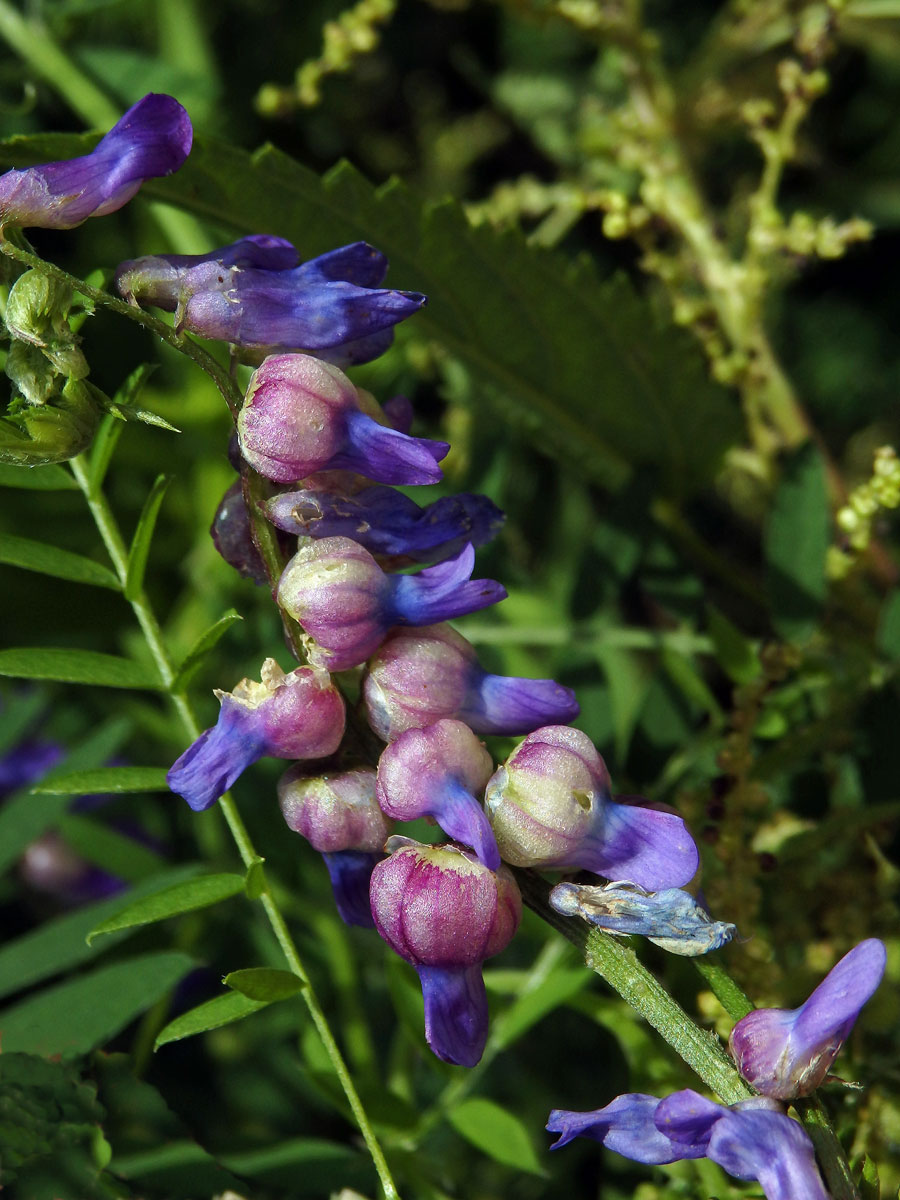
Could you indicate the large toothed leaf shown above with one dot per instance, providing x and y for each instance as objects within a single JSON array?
[
  {"x": 83, "y": 1013},
  {"x": 581, "y": 366},
  {"x": 76, "y": 666},
  {"x": 51, "y": 560}
]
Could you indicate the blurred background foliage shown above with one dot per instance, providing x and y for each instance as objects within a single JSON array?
[{"x": 686, "y": 544}]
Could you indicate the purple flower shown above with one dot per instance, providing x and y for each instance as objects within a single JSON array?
[
  {"x": 153, "y": 138},
  {"x": 752, "y": 1140},
  {"x": 443, "y": 911},
  {"x": 437, "y": 772},
  {"x": 339, "y": 816},
  {"x": 388, "y": 523},
  {"x": 550, "y": 806},
  {"x": 346, "y": 603},
  {"x": 419, "y": 676},
  {"x": 232, "y": 535},
  {"x": 330, "y": 305},
  {"x": 161, "y": 279},
  {"x": 671, "y": 918},
  {"x": 787, "y": 1053},
  {"x": 301, "y": 416},
  {"x": 298, "y": 715}
]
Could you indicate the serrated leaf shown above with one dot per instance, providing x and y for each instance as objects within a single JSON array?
[
  {"x": 51, "y": 560},
  {"x": 496, "y": 1132},
  {"x": 77, "y": 1016},
  {"x": 60, "y": 942},
  {"x": 103, "y": 781},
  {"x": 23, "y": 818},
  {"x": 735, "y": 654},
  {"x": 222, "y": 1010},
  {"x": 76, "y": 666},
  {"x": 796, "y": 544},
  {"x": 583, "y": 367},
  {"x": 264, "y": 983},
  {"x": 196, "y": 656},
  {"x": 50, "y": 478},
  {"x": 172, "y": 901},
  {"x": 143, "y": 536}
]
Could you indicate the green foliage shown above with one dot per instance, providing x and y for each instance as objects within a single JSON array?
[
  {"x": 76, "y": 666},
  {"x": 496, "y": 1132},
  {"x": 221, "y": 1010},
  {"x": 171, "y": 902},
  {"x": 796, "y": 544}
]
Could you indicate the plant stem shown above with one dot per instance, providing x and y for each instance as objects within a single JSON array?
[
  {"x": 829, "y": 1151},
  {"x": 115, "y": 545}
]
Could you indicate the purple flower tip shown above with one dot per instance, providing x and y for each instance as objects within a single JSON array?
[
  {"x": 787, "y": 1053},
  {"x": 350, "y": 872},
  {"x": 152, "y": 139}
]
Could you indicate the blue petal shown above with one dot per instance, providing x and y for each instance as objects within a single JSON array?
[
  {"x": 509, "y": 706},
  {"x": 760, "y": 1144},
  {"x": 456, "y": 1012},
  {"x": 383, "y": 454},
  {"x": 443, "y": 591},
  {"x": 461, "y": 816},
  {"x": 626, "y": 1125},
  {"x": 646, "y": 846},
  {"x": 350, "y": 872},
  {"x": 209, "y": 767},
  {"x": 357, "y": 263}
]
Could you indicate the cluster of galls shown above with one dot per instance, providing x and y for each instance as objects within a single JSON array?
[{"x": 331, "y": 452}]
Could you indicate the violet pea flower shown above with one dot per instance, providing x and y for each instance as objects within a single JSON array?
[
  {"x": 153, "y": 138},
  {"x": 346, "y": 603},
  {"x": 339, "y": 816},
  {"x": 445, "y": 912},
  {"x": 302, "y": 416},
  {"x": 550, "y": 806},
  {"x": 787, "y": 1053},
  {"x": 295, "y": 715},
  {"x": 330, "y": 305},
  {"x": 419, "y": 676},
  {"x": 754, "y": 1139},
  {"x": 438, "y": 772},
  {"x": 388, "y": 523}
]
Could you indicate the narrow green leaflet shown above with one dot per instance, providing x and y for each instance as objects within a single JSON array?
[
  {"x": 222, "y": 1010},
  {"x": 796, "y": 543},
  {"x": 102, "y": 448},
  {"x": 19, "y": 712},
  {"x": 60, "y": 942},
  {"x": 196, "y": 656},
  {"x": 51, "y": 560},
  {"x": 76, "y": 666},
  {"x": 77, "y": 1016},
  {"x": 103, "y": 781},
  {"x": 143, "y": 536},
  {"x": 180, "y": 898},
  {"x": 889, "y": 627},
  {"x": 106, "y": 848},
  {"x": 496, "y": 1133},
  {"x": 50, "y": 478},
  {"x": 264, "y": 983},
  {"x": 531, "y": 1007}
]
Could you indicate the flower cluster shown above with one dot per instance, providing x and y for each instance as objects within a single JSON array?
[{"x": 330, "y": 452}]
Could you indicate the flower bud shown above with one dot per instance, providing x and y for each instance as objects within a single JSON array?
[
  {"x": 444, "y": 912},
  {"x": 339, "y": 816},
  {"x": 419, "y": 676},
  {"x": 52, "y": 432},
  {"x": 388, "y": 523},
  {"x": 153, "y": 138},
  {"x": 346, "y": 603},
  {"x": 298, "y": 715},
  {"x": 302, "y": 415},
  {"x": 786, "y": 1053},
  {"x": 232, "y": 536},
  {"x": 439, "y": 772},
  {"x": 550, "y": 806}
]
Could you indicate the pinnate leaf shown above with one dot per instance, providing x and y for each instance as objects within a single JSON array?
[{"x": 76, "y": 666}]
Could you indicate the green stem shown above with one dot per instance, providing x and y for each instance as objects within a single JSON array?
[
  {"x": 829, "y": 1151},
  {"x": 115, "y": 545},
  {"x": 184, "y": 345}
]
